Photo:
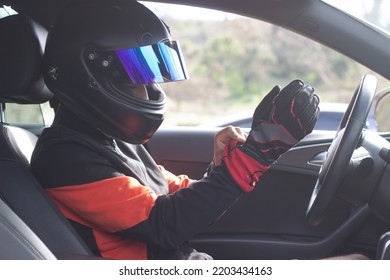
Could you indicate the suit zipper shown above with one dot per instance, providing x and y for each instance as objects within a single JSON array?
[{"x": 115, "y": 146}]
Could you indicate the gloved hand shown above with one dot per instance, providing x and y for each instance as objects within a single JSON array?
[{"x": 280, "y": 121}]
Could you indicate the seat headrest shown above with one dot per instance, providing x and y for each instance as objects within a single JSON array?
[{"x": 21, "y": 79}]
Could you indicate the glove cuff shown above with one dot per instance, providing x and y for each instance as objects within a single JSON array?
[{"x": 244, "y": 170}]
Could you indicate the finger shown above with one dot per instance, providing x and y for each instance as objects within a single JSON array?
[
  {"x": 264, "y": 109},
  {"x": 305, "y": 107},
  {"x": 229, "y": 133},
  {"x": 223, "y": 137},
  {"x": 311, "y": 123},
  {"x": 306, "y": 112},
  {"x": 232, "y": 133},
  {"x": 268, "y": 99},
  {"x": 241, "y": 135},
  {"x": 285, "y": 97}
]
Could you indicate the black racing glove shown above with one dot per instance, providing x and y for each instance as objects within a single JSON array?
[{"x": 280, "y": 121}]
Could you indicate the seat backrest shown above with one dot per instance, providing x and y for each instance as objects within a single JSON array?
[
  {"x": 21, "y": 82},
  {"x": 21, "y": 143},
  {"x": 18, "y": 241}
]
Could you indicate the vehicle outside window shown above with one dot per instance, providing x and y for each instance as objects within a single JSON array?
[
  {"x": 33, "y": 117},
  {"x": 234, "y": 61},
  {"x": 382, "y": 110}
]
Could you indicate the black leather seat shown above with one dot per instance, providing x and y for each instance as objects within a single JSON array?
[
  {"x": 17, "y": 240},
  {"x": 21, "y": 82}
]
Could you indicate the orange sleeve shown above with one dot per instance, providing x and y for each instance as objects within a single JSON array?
[
  {"x": 109, "y": 205},
  {"x": 175, "y": 182}
]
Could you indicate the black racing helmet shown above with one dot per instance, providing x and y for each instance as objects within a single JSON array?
[{"x": 97, "y": 50}]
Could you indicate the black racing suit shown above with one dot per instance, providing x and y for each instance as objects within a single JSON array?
[{"x": 122, "y": 203}]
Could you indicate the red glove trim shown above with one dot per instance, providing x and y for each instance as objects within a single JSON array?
[{"x": 244, "y": 170}]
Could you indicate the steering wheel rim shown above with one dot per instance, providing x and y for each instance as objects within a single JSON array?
[{"x": 341, "y": 149}]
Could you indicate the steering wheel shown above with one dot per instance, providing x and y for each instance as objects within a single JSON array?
[{"x": 341, "y": 149}]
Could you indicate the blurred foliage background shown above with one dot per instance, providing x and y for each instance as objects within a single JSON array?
[{"x": 235, "y": 61}]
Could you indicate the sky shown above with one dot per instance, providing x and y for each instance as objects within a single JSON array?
[{"x": 183, "y": 12}]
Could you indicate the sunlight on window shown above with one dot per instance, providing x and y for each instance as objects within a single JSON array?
[
  {"x": 181, "y": 12},
  {"x": 374, "y": 12},
  {"x": 6, "y": 11}
]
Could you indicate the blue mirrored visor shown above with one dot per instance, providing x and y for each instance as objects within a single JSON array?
[{"x": 157, "y": 63}]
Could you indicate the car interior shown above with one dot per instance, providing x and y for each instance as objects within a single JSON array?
[{"x": 278, "y": 223}]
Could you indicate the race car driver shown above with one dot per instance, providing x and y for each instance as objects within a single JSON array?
[{"x": 105, "y": 77}]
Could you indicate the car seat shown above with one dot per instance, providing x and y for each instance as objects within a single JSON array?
[
  {"x": 21, "y": 82},
  {"x": 18, "y": 241}
]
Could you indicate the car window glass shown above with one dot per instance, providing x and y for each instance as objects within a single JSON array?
[
  {"x": 23, "y": 114},
  {"x": 382, "y": 115},
  {"x": 233, "y": 61},
  {"x": 374, "y": 12},
  {"x": 29, "y": 114}
]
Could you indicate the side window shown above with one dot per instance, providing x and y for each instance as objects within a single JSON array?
[
  {"x": 29, "y": 115},
  {"x": 382, "y": 114},
  {"x": 233, "y": 61}
]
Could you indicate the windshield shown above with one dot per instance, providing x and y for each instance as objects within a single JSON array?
[{"x": 373, "y": 12}]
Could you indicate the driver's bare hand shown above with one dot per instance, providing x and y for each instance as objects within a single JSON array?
[{"x": 223, "y": 137}]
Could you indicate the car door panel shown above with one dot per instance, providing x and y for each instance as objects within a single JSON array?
[{"x": 183, "y": 150}]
